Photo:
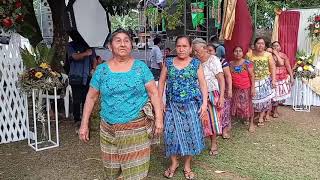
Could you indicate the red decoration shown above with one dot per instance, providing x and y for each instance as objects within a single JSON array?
[
  {"x": 317, "y": 18},
  {"x": 7, "y": 22},
  {"x": 19, "y": 18},
  {"x": 18, "y": 4}
]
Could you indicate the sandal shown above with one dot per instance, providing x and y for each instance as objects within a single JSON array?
[
  {"x": 189, "y": 174},
  {"x": 213, "y": 152},
  {"x": 275, "y": 115},
  {"x": 246, "y": 123},
  {"x": 267, "y": 119},
  {"x": 226, "y": 136},
  {"x": 260, "y": 124},
  {"x": 169, "y": 173},
  {"x": 251, "y": 129}
]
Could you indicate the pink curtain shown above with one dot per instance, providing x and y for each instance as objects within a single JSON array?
[
  {"x": 288, "y": 33},
  {"x": 242, "y": 32}
]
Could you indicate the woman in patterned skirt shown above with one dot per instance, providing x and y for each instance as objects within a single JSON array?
[
  {"x": 215, "y": 81},
  {"x": 243, "y": 87},
  {"x": 264, "y": 71},
  {"x": 124, "y": 86},
  {"x": 186, "y": 103},
  {"x": 226, "y": 115},
  {"x": 284, "y": 78}
]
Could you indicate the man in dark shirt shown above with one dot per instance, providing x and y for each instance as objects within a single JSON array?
[{"x": 80, "y": 60}]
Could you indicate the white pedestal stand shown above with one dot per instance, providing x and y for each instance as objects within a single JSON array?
[
  {"x": 301, "y": 96},
  {"x": 40, "y": 134}
]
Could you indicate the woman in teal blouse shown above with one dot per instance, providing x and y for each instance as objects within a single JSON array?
[{"x": 124, "y": 85}]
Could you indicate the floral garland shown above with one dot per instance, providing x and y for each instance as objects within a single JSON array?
[
  {"x": 12, "y": 13},
  {"x": 304, "y": 68},
  {"x": 314, "y": 27}
]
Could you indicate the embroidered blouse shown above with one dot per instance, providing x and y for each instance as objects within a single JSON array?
[
  {"x": 240, "y": 75},
  {"x": 261, "y": 65},
  {"x": 123, "y": 94}
]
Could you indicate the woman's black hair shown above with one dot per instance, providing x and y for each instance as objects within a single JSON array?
[
  {"x": 257, "y": 39},
  {"x": 118, "y": 31},
  {"x": 275, "y": 42},
  {"x": 211, "y": 45},
  {"x": 183, "y": 36},
  {"x": 236, "y": 48}
]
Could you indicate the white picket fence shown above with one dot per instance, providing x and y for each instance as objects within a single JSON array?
[{"x": 13, "y": 113}]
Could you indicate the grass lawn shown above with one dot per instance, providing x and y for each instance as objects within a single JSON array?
[{"x": 286, "y": 148}]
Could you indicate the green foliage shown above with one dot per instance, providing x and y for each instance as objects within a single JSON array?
[
  {"x": 119, "y": 7},
  {"x": 172, "y": 14},
  {"x": 265, "y": 9},
  {"x": 40, "y": 54},
  {"x": 125, "y": 21}
]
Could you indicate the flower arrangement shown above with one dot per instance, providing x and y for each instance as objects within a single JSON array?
[
  {"x": 12, "y": 14},
  {"x": 38, "y": 73},
  {"x": 41, "y": 77},
  {"x": 314, "y": 27},
  {"x": 304, "y": 67}
]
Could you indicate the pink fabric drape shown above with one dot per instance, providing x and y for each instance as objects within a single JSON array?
[
  {"x": 288, "y": 33},
  {"x": 242, "y": 32}
]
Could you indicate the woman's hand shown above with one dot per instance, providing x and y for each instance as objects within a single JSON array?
[
  {"x": 229, "y": 94},
  {"x": 203, "y": 110},
  {"x": 253, "y": 92},
  {"x": 162, "y": 106},
  {"x": 84, "y": 133},
  {"x": 273, "y": 82},
  {"x": 158, "y": 127},
  {"x": 291, "y": 81},
  {"x": 220, "y": 102}
]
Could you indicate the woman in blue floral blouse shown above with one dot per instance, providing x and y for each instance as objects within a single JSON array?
[{"x": 186, "y": 103}]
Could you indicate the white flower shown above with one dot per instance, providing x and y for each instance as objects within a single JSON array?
[
  {"x": 49, "y": 80},
  {"x": 303, "y": 57},
  {"x": 317, "y": 25},
  {"x": 311, "y": 69},
  {"x": 300, "y": 69},
  {"x": 318, "y": 65}
]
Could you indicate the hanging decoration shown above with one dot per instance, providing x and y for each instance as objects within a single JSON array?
[
  {"x": 229, "y": 18},
  {"x": 314, "y": 33},
  {"x": 12, "y": 14},
  {"x": 197, "y": 14},
  {"x": 216, "y": 13},
  {"x": 152, "y": 14},
  {"x": 275, "y": 31},
  {"x": 314, "y": 27}
]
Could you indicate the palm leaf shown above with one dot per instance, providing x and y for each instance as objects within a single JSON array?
[
  {"x": 40, "y": 54},
  {"x": 28, "y": 58}
]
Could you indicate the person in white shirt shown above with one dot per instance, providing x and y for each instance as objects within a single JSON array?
[{"x": 156, "y": 59}]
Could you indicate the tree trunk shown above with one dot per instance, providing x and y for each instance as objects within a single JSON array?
[{"x": 60, "y": 36}]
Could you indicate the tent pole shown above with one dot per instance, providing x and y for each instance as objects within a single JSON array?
[{"x": 145, "y": 32}]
